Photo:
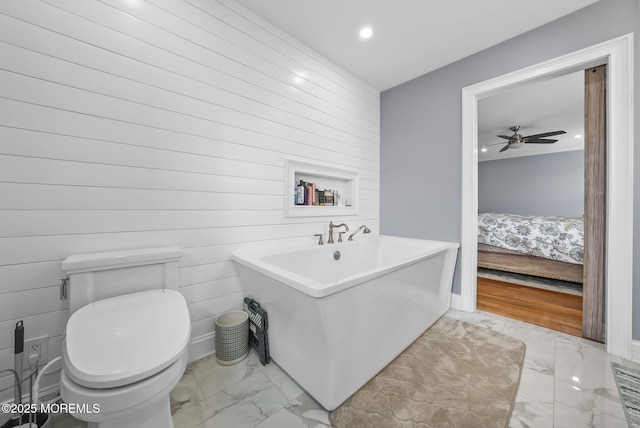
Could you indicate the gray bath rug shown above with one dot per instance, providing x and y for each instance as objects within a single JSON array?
[
  {"x": 628, "y": 381},
  {"x": 454, "y": 375}
]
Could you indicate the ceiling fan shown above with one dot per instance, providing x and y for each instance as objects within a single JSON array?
[{"x": 516, "y": 140}]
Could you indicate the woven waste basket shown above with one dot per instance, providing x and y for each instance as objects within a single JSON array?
[{"x": 232, "y": 337}]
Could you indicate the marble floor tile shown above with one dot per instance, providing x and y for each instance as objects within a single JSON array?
[
  {"x": 588, "y": 406},
  {"x": 529, "y": 414},
  {"x": 186, "y": 393},
  {"x": 631, "y": 364},
  {"x": 282, "y": 381},
  {"x": 484, "y": 319},
  {"x": 243, "y": 404},
  {"x": 585, "y": 364},
  {"x": 283, "y": 419},
  {"x": 533, "y": 336},
  {"x": 301, "y": 413},
  {"x": 201, "y": 411},
  {"x": 600, "y": 422},
  {"x": 456, "y": 314},
  {"x": 213, "y": 377},
  {"x": 260, "y": 391},
  {"x": 243, "y": 414},
  {"x": 536, "y": 387},
  {"x": 309, "y": 410},
  {"x": 540, "y": 360},
  {"x": 566, "y": 382}
]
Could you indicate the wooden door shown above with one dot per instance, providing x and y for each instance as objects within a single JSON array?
[{"x": 595, "y": 140}]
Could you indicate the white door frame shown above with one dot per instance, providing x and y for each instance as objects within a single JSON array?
[{"x": 618, "y": 54}]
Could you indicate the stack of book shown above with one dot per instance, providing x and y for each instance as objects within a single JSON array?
[{"x": 309, "y": 194}]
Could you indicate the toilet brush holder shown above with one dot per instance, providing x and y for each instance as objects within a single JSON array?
[{"x": 232, "y": 337}]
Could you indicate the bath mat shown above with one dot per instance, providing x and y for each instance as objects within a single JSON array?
[
  {"x": 628, "y": 381},
  {"x": 454, "y": 375}
]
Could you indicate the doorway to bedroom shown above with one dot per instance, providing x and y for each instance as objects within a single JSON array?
[
  {"x": 533, "y": 176},
  {"x": 618, "y": 254}
]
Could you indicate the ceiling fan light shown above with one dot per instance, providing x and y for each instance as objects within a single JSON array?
[{"x": 516, "y": 145}]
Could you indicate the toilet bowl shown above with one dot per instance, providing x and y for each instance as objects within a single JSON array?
[
  {"x": 122, "y": 355},
  {"x": 144, "y": 404}
]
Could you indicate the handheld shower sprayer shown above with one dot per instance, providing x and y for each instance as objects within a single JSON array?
[{"x": 364, "y": 229}]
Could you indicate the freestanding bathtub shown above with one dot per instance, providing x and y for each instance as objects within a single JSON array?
[{"x": 336, "y": 320}]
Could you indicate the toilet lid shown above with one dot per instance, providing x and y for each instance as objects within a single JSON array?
[{"x": 124, "y": 339}]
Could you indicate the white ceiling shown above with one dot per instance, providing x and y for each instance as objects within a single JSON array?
[
  {"x": 551, "y": 105},
  {"x": 411, "y": 37}
]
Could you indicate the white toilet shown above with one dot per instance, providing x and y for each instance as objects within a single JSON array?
[{"x": 125, "y": 344}]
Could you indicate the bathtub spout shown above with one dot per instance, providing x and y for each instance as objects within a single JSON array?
[
  {"x": 331, "y": 226},
  {"x": 364, "y": 229}
]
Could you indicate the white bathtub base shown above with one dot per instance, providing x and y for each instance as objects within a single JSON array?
[{"x": 333, "y": 345}]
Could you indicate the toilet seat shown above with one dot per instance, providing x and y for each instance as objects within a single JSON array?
[{"x": 125, "y": 339}]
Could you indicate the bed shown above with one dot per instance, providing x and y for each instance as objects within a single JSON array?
[{"x": 550, "y": 247}]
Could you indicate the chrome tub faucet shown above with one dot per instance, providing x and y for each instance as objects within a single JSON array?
[{"x": 331, "y": 226}]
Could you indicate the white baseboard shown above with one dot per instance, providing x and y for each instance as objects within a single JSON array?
[
  {"x": 456, "y": 301},
  {"x": 202, "y": 346},
  {"x": 635, "y": 350}
]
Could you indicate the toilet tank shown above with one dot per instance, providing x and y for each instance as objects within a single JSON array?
[{"x": 97, "y": 276}]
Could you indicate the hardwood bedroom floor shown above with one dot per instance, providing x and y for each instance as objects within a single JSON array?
[{"x": 551, "y": 309}]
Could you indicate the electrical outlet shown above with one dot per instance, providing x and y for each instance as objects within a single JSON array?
[
  {"x": 34, "y": 348},
  {"x": 34, "y": 351}
]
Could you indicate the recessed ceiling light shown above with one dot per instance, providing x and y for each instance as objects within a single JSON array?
[
  {"x": 484, "y": 149},
  {"x": 577, "y": 136},
  {"x": 298, "y": 78},
  {"x": 366, "y": 33}
]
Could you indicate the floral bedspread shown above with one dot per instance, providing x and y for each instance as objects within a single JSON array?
[{"x": 556, "y": 238}]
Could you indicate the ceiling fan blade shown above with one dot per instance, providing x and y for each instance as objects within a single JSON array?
[
  {"x": 539, "y": 141},
  {"x": 504, "y": 148},
  {"x": 545, "y": 134},
  {"x": 506, "y": 137}
]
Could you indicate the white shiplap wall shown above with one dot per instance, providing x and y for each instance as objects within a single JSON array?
[{"x": 128, "y": 124}]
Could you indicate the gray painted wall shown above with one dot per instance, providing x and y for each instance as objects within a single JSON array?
[
  {"x": 547, "y": 185},
  {"x": 420, "y": 188}
]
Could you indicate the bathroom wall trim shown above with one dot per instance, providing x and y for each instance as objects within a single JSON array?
[
  {"x": 635, "y": 350},
  {"x": 618, "y": 54},
  {"x": 202, "y": 346},
  {"x": 456, "y": 301}
]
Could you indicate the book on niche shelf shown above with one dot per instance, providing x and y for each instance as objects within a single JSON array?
[{"x": 307, "y": 193}]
